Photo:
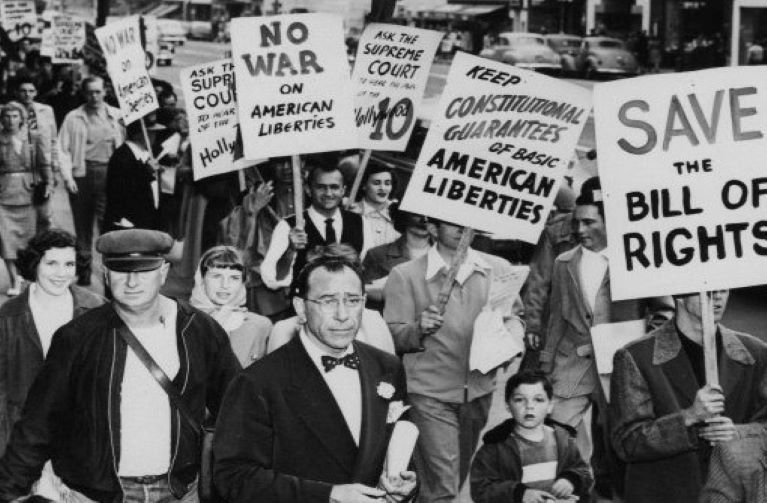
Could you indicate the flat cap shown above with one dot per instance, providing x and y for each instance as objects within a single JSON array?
[{"x": 134, "y": 250}]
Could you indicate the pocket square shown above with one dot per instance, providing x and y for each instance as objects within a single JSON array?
[{"x": 396, "y": 409}]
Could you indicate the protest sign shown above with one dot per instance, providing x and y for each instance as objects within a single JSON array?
[
  {"x": 18, "y": 18},
  {"x": 45, "y": 29},
  {"x": 498, "y": 148},
  {"x": 294, "y": 85},
  {"x": 212, "y": 111},
  {"x": 68, "y": 38},
  {"x": 684, "y": 188},
  {"x": 390, "y": 73},
  {"x": 126, "y": 64}
]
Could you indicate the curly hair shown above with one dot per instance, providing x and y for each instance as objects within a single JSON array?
[
  {"x": 333, "y": 258},
  {"x": 14, "y": 106},
  {"x": 30, "y": 257}
]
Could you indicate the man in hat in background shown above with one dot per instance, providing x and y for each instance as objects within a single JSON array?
[
  {"x": 95, "y": 410},
  {"x": 580, "y": 298}
]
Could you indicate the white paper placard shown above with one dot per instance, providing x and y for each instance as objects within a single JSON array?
[
  {"x": 293, "y": 84},
  {"x": 684, "y": 185},
  {"x": 126, "y": 64},
  {"x": 68, "y": 39},
  {"x": 18, "y": 18},
  {"x": 498, "y": 148},
  {"x": 390, "y": 73}
]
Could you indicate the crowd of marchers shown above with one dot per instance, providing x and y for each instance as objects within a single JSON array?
[{"x": 303, "y": 346}]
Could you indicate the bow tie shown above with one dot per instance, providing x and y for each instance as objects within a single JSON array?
[{"x": 352, "y": 360}]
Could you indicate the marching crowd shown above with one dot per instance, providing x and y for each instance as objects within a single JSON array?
[{"x": 301, "y": 346}]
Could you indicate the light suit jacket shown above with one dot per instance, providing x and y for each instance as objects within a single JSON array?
[{"x": 567, "y": 356}]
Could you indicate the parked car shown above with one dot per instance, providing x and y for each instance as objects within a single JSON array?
[
  {"x": 165, "y": 55},
  {"x": 567, "y": 46},
  {"x": 605, "y": 56},
  {"x": 171, "y": 31},
  {"x": 526, "y": 50}
]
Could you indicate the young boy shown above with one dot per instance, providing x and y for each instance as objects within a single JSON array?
[{"x": 524, "y": 460}]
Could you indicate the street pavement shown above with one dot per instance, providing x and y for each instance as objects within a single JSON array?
[{"x": 745, "y": 311}]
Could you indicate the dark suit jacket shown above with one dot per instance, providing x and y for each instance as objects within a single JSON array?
[
  {"x": 568, "y": 353},
  {"x": 281, "y": 437},
  {"x": 652, "y": 382},
  {"x": 129, "y": 192}
]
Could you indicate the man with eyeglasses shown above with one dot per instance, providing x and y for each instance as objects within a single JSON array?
[{"x": 310, "y": 422}]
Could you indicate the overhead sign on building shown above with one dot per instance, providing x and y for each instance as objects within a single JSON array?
[
  {"x": 293, "y": 84},
  {"x": 685, "y": 189},
  {"x": 497, "y": 148}
]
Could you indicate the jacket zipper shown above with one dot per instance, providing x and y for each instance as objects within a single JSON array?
[
  {"x": 183, "y": 388},
  {"x": 109, "y": 413}
]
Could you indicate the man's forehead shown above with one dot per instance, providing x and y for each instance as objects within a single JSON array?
[
  {"x": 329, "y": 178},
  {"x": 325, "y": 282}
]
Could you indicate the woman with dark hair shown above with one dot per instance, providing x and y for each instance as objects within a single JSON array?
[
  {"x": 219, "y": 290},
  {"x": 22, "y": 159},
  {"x": 376, "y": 189},
  {"x": 27, "y": 324}
]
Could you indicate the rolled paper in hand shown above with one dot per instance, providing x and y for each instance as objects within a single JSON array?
[{"x": 401, "y": 447}]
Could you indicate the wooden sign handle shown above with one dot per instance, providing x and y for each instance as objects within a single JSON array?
[
  {"x": 358, "y": 177},
  {"x": 709, "y": 339},
  {"x": 460, "y": 256},
  {"x": 146, "y": 139},
  {"x": 298, "y": 191}
]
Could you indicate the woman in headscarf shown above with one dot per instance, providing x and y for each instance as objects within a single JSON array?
[{"x": 219, "y": 290}]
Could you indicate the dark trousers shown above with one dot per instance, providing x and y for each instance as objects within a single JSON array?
[
  {"x": 88, "y": 205},
  {"x": 448, "y": 437}
]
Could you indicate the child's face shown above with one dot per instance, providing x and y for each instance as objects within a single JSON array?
[{"x": 529, "y": 405}]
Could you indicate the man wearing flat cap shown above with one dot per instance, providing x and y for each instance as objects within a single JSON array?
[{"x": 95, "y": 410}]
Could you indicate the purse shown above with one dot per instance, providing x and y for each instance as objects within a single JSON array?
[{"x": 205, "y": 488}]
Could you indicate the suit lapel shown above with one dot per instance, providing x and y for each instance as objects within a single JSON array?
[
  {"x": 310, "y": 399},
  {"x": 374, "y": 411},
  {"x": 30, "y": 329},
  {"x": 574, "y": 270}
]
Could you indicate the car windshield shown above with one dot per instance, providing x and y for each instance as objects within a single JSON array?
[
  {"x": 611, "y": 44},
  {"x": 565, "y": 43},
  {"x": 527, "y": 41}
]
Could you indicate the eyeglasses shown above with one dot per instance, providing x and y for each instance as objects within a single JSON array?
[{"x": 330, "y": 304}]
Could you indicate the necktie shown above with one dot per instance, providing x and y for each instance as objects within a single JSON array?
[
  {"x": 351, "y": 360},
  {"x": 31, "y": 118},
  {"x": 330, "y": 232}
]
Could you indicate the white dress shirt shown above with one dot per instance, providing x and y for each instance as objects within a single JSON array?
[
  {"x": 593, "y": 269},
  {"x": 281, "y": 241},
  {"x": 473, "y": 262},
  {"x": 343, "y": 382}
]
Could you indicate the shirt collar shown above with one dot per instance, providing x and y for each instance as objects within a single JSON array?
[
  {"x": 473, "y": 262},
  {"x": 593, "y": 254},
  {"x": 315, "y": 353},
  {"x": 368, "y": 209},
  {"x": 319, "y": 217},
  {"x": 138, "y": 151}
]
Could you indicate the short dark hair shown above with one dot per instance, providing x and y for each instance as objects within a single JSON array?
[
  {"x": 221, "y": 257},
  {"x": 29, "y": 258},
  {"x": 326, "y": 162},
  {"x": 591, "y": 195},
  {"x": 25, "y": 79},
  {"x": 527, "y": 377},
  {"x": 167, "y": 93},
  {"x": 374, "y": 169},
  {"x": 90, "y": 80},
  {"x": 400, "y": 218},
  {"x": 331, "y": 263}
]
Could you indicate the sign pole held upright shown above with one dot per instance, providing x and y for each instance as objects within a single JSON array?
[
  {"x": 360, "y": 174},
  {"x": 709, "y": 339},
  {"x": 298, "y": 191}
]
